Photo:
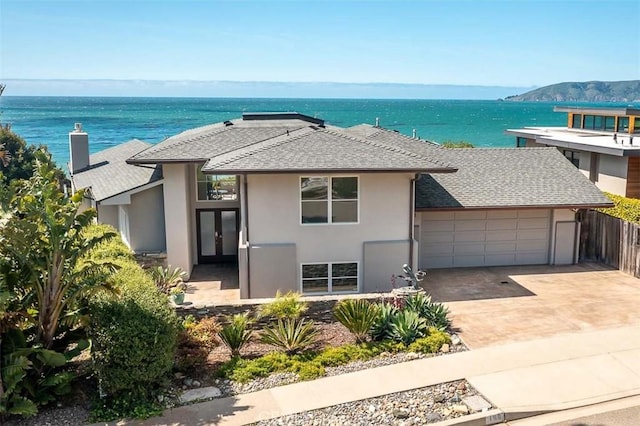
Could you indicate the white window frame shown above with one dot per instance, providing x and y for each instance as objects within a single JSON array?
[
  {"x": 198, "y": 169},
  {"x": 330, "y": 278},
  {"x": 329, "y": 200}
]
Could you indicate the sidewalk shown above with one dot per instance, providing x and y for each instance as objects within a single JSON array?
[{"x": 521, "y": 379}]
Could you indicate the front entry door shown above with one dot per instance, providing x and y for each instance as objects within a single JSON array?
[{"x": 217, "y": 235}]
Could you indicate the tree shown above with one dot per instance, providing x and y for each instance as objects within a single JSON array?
[
  {"x": 457, "y": 144},
  {"x": 44, "y": 240}
]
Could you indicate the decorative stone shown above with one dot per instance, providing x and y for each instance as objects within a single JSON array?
[
  {"x": 400, "y": 413},
  {"x": 179, "y": 376},
  {"x": 196, "y": 384},
  {"x": 188, "y": 382},
  {"x": 455, "y": 340},
  {"x": 445, "y": 348},
  {"x": 447, "y": 412},
  {"x": 476, "y": 403},
  {"x": 462, "y": 386},
  {"x": 455, "y": 398},
  {"x": 433, "y": 417},
  {"x": 439, "y": 398},
  {"x": 412, "y": 355},
  {"x": 200, "y": 393},
  {"x": 460, "y": 408},
  {"x": 371, "y": 409}
]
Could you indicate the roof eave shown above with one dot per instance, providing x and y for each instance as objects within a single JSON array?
[
  {"x": 325, "y": 170},
  {"x": 520, "y": 207},
  {"x": 136, "y": 161}
]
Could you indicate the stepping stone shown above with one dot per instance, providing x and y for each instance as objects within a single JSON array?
[
  {"x": 476, "y": 403},
  {"x": 200, "y": 393}
]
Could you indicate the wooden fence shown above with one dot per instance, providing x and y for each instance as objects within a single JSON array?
[{"x": 610, "y": 240}]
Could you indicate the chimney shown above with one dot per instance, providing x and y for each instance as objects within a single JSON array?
[{"x": 78, "y": 149}]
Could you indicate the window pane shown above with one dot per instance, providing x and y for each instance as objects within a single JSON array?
[
  {"x": 609, "y": 123},
  {"x": 314, "y": 212},
  {"x": 315, "y": 271},
  {"x": 344, "y": 188},
  {"x": 597, "y": 122},
  {"x": 588, "y": 121},
  {"x": 344, "y": 284},
  {"x": 577, "y": 118},
  {"x": 344, "y": 270},
  {"x": 315, "y": 286},
  {"x": 623, "y": 124},
  {"x": 314, "y": 188},
  {"x": 202, "y": 191},
  {"x": 344, "y": 211}
]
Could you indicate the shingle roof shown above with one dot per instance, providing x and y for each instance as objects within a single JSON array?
[
  {"x": 508, "y": 177},
  {"x": 322, "y": 149},
  {"x": 110, "y": 175}
]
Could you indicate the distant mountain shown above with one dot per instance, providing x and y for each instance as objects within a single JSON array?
[{"x": 589, "y": 91}]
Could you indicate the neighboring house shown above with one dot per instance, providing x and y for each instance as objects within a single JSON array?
[
  {"x": 604, "y": 143},
  {"x": 304, "y": 206}
]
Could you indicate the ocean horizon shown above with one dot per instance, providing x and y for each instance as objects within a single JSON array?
[{"x": 110, "y": 121}]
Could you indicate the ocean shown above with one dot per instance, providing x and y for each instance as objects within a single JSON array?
[{"x": 110, "y": 121}]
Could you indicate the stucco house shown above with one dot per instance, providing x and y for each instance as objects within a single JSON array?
[
  {"x": 604, "y": 143},
  {"x": 300, "y": 205}
]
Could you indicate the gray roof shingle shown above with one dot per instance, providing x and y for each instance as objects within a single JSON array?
[{"x": 109, "y": 174}]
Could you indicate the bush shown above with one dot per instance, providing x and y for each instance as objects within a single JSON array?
[
  {"x": 196, "y": 340},
  {"x": 625, "y": 208},
  {"x": 134, "y": 340},
  {"x": 430, "y": 344},
  {"x": 407, "y": 326},
  {"x": 291, "y": 335},
  {"x": 358, "y": 316},
  {"x": 435, "y": 314},
  {"x": 236, "y": 334},
  {"x": 381, "y": 329},
  {"x": 284, "y": 306},
  {"x": 168, "y": 279},
  {"x": 113, "y": 250}
]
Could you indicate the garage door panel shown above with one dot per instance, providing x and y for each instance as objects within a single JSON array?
[
  {"x": 532, "y": 246},
  {"x": 501, "y": 236},
  {"x": 469, "y": 248},
  {"x": 470, "y": 225},
  {"x": 500, "y": 259},
  {"x": 530, "y": 258},
  {"x": 470, "y": 215},
  {"x": 502, "y": 214},
  {"x": 468, "y": 261},
  {"x": 500, "y": 247},
  {"x": 438, "y": 225},
  {"x": 502, "y": 224},
  {"x": 533, "y": 213},
  {"x": 439, "y": 262},
  {"x": 533, "y": 223},
  {"x": 439, "y": 237},
  {"x": 438, "y": 216},
  {"x": 439, "y": 249},
  {"x": 532, "y": 234},
  {"x": 469, "y": 236}
]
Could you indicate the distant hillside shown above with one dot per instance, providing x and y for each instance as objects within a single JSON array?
[{"x": 590, "y": 91}]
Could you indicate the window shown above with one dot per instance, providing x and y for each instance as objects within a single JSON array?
[
  {"x": 521, "y": 142},
  {"x": 572, "y": 156},
  {"x": 609, "y": 123},
  {"x": 623, "y": 125},
  {"x": 336, "y": 277},
  {"x": 216, "y": 187},
  {"x": 588, "y": 121},
  {"x": 577, "y": 121},
  {"x": 319, "y": 205}
]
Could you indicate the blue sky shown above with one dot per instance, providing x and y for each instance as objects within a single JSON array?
[{"x": 515, "y": 43}]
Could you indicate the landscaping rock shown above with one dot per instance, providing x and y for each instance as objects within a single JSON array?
[
  {"x": 412, "y": 355},
  {"x": 433, "y": 417},
  {"x": 455, "y": 340},
  {"x": 445, "y": 348},
  {"x": 460, "y": 408},
  {"x": 476, "y": 403},
  {"x": 200, "y": 394},
  {"x": 400, "y": 413}
]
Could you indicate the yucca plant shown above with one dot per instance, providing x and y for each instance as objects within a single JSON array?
[
  {"x": 286, "y": 305},
  {"x": 290, "y": 334},
  {"x": 418, "y": 303},
  {"x": 407, "y": 326},
  {"x": 236, "y": 334},
  {"x": 168, "y": 278},
  {"x": 358, "y": 316},
  {"x": 381, "y": 328}
]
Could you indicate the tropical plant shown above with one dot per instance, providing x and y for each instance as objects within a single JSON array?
[
  {"x": 236, "y": 333},
  {"x": 407, "y": 326},
  {"x": 195, "y": 341},
  {"x": 381, "y": 328},
  {"x": 168, "y": 278},
  {"x": 286, "y": 305},
  {"x": 358, "y": 316},
  {"x": 435, "y": 314},
  {"x": 290, "y": 334}
]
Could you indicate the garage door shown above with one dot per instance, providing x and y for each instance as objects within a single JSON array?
[{"x": 484, "y": 238}]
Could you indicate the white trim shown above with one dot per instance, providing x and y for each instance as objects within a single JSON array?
[
  {"x": 329, "y": 200},
  {"x": 330, "y": 278}
]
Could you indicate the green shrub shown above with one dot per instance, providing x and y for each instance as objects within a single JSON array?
[
  {"x": 625, "y": 208},
  {"x": 133, "y": 344},
  {"x": 407, "y": 326},
  {"x": 358, "y": 316},
  {"x": 236, "y": 334},
  {"x": 381, "y": 329},
  {"x": 113, "y": 250},
  {"x": 290, "y": 334},
  {"x": 307, "y": 370},
  {"x": 167, "y": 279},
  {"x": 435, "y": 314},
  {"x": 284, "y": 306},
  {"x": 431, "y": 343},
  {"x": 196, "y": 340},
  {"x": 457, "y": 144}
]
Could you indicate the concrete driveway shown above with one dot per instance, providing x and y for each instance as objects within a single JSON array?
[{"x": 506, "y": 304}]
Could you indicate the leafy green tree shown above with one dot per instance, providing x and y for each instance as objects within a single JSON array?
[
  {"x": 44, "y": 240},
  {"x": 457, "y": 144},
  {"x": 17, "y": 158}
]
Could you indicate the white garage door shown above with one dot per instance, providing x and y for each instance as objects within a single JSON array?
[{"x": 484, "y": 238}]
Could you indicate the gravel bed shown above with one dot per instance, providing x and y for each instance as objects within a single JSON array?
[
  {"x": 416, "y": 407},
  {"x": 74, "y": 415}
]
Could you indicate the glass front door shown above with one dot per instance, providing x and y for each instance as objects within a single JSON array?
[{"x": 217, "y": 235}]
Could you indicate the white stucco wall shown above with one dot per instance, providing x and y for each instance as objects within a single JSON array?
[
  {"x": 108, "y": 214},
  {"x": 177, "y": 216},
  {"x": 274, "y": 217},
  {"x": 612, "y": 174},
  {"x": 146, "y": 221}
]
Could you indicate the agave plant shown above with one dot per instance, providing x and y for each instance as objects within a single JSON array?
[
  {"x": 290, "y": 334},
  {"x": 407, "y": 326},
  {"x": 436, "y": 314},
  {"x": 168, "y": 278},
  {"x": 236, "y": 334},
  {"x": 381, "y": 328},
  {"x": 358, "y": 316}
]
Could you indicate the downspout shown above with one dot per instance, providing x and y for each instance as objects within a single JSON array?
[
  {"x": 412, "y": 218},
  {"x": 245, "y": 202}
]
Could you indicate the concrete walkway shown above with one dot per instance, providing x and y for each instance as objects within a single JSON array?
[{"x": 521, "y": 378}]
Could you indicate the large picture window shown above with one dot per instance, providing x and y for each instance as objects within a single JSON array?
[
  {"x": 326, "y": 199},
  {"x": 337, "y": 277},
  {"x": 216, "y": 187}
]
